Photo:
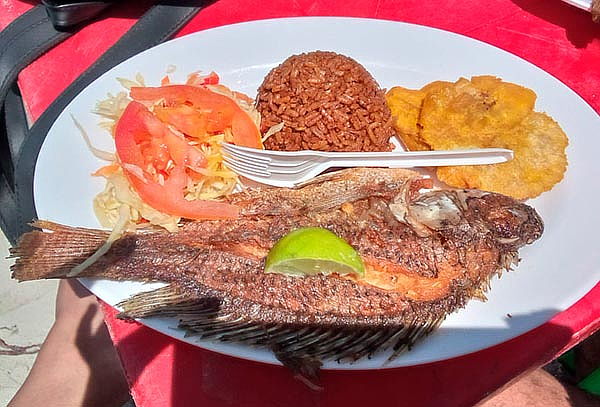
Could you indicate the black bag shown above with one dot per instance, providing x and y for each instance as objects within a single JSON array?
[{"x": 28, "y": 37}]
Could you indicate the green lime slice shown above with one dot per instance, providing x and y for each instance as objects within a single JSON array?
[{"x": 309, "y": 251}]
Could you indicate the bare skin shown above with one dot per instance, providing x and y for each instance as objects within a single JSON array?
[
  {"x": 540, "y": 389},
  {"x": 76, "y": 356}
]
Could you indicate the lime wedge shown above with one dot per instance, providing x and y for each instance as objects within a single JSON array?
[{"x": 309, "y": 251}]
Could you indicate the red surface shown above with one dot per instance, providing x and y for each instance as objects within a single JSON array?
[
  {"x": 560, "y": 39},
  {"x": 165, "y": 372}
]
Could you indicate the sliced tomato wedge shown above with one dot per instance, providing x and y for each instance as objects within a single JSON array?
[
  {"x": 184, "y": 118},
  {"x": 155, "y": 161},
  {"x": 221, "y": 112}
]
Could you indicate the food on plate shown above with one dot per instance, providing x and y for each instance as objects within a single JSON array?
[
  {"x": 473, "y": 111},
  {"x": 351, "y": 263},
  {"x": 483, "y": 112},
  {"x": 540, "y": 162},
  {"x": 168, "y": 162},
  {"x": 323, "y": 101},
  {"x": 405, "y": 107},
  {"x": 425, "y": 251}
]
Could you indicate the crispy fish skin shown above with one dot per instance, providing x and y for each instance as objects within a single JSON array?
[{"x": 439, "y": 245}]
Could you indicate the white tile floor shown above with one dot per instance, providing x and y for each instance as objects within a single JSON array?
[{"x": 26, "y": 315}]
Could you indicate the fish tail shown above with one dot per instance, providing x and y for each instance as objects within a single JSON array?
[{"x": 53, "y": 250}]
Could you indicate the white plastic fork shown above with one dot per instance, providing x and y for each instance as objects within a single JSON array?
[
  {"x": 582, "y": 4},
  {"x": 290, "y": 168}
]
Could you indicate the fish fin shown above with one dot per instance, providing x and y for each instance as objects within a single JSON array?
[
  {"x": 413, "y": 335},
  {"x": 53, "y": 250},
  {"x": 167, "y": 301},
  {"x": 297, "y": 346},
  {"x": 325, "y": 177},
  {"x": 305, "y": 369},
  {"x": 358, "y": 174},
  {"x": 201, "y": 317}
]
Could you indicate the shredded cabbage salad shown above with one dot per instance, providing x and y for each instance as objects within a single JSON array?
[{"x": 216, "y": 182}]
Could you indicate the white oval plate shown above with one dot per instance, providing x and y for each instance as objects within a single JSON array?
[{"x": 555, "y": 271}]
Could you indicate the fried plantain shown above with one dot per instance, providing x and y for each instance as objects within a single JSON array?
[
  {"x": 472, "y": 112},
  {"x": 539, "y": 161},
  {"x": 484, "y": 112},
  {"x": 405, "y": 106}
]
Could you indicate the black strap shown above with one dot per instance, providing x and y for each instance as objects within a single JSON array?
[
  {"x": 15, "y": 130},
  {"x": 25, "y": 39},
  {"x": 21, "y": 42},
  {"x": 159, "y": 23},
  {"x": 65, "y": 14}
]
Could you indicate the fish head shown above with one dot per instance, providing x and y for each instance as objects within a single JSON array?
[{"x": 512, "y": 223}]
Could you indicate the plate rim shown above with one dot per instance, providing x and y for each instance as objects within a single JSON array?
[{"x": 356, "y": 20}]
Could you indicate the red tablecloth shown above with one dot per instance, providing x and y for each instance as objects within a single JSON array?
[{"x": 560, "y": 39}]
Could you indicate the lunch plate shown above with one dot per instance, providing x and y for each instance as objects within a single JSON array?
[{"x": 554, "y": 272}]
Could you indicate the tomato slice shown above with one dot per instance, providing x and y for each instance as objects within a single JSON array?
[
  {"x": 221, "y": 112},
  {"x": 184, "y": 118},
  {"x": 139, "y": 136}
]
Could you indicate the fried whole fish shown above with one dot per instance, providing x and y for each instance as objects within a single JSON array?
[{"x": 426, "y": 253}]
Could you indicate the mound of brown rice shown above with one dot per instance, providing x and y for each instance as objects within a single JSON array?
[{"x": 327, "y": 102}]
